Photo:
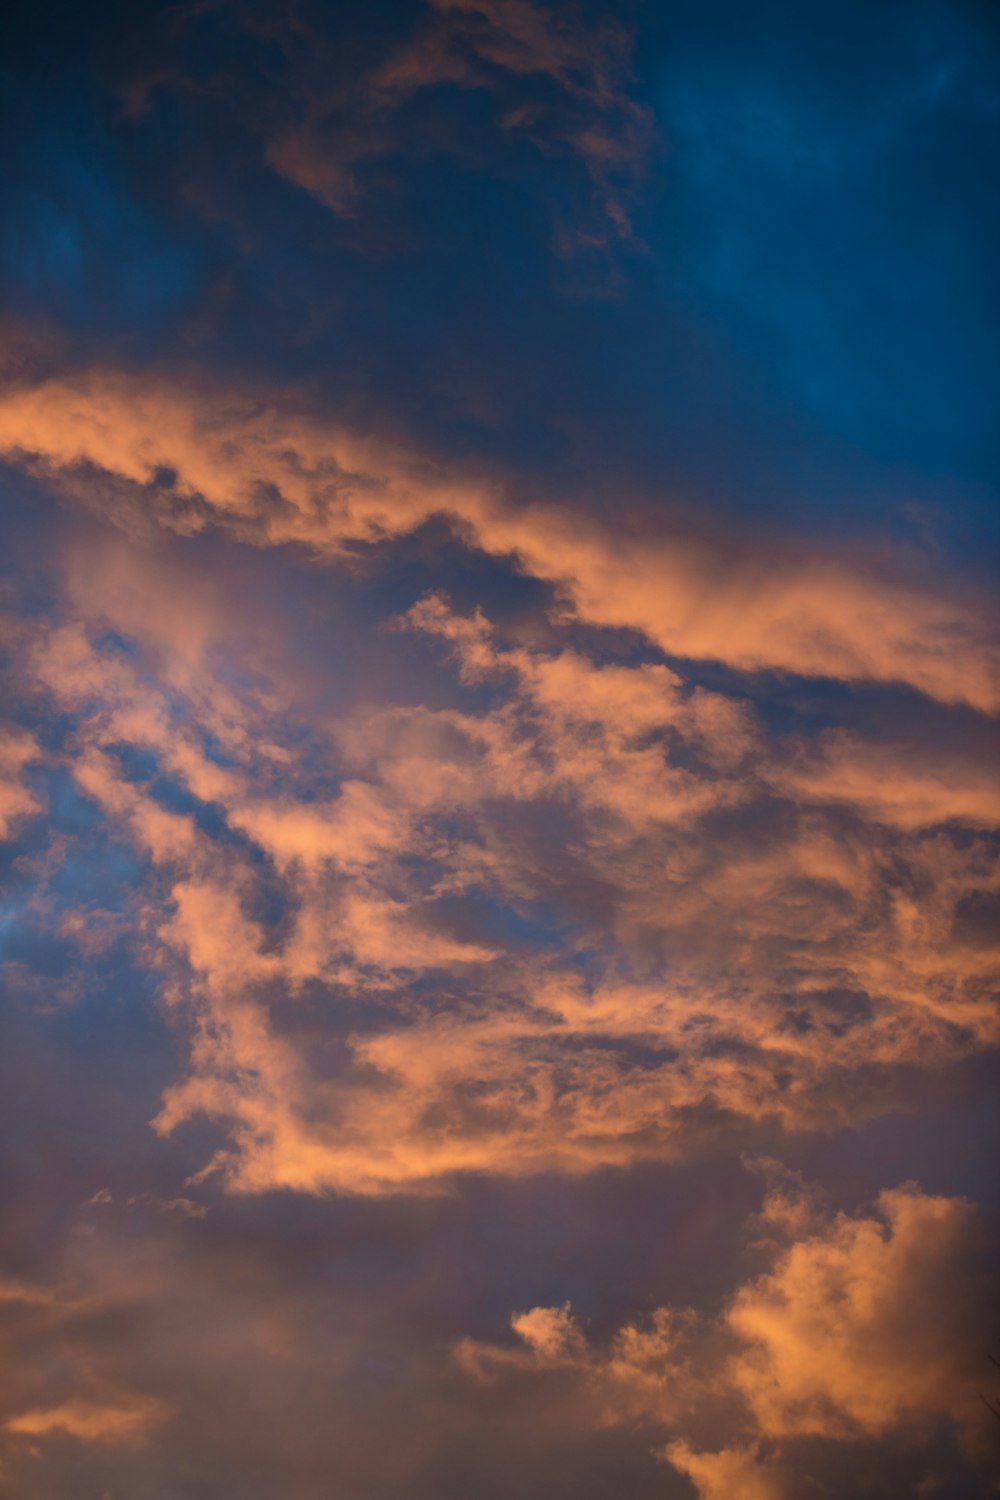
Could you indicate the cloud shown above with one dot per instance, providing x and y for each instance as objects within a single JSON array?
[
  {"x": 490, "y": 745},
  {"x": 17, "y": 751},
  {"x": 550, "y": 1337},
  {"x": 186, "y": 1208},
  {"x": 835, "y": 1345},
  {"x": 556, "y": 79},
  {"x": 58, "y": 1381},
  {"x": 24, "y": 1292},
  {"x": 592, "y": 113},
  {"x": 557, "y": 924},
  {"x": 903, "y": 784},
  {"x": 127, "y": 1421},
  {"x": 194, "y": 457},
  {"x": 341, "y": 118},
  {"x": 862, "y": 1326},
  {"x": 643, "y": 1373},
  {"x": 156, "y": 1337},
  {"x": 726, "y": 1473}
]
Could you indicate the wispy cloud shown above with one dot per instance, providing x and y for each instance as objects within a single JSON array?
[
  {"x": 794, "y": 958},
  {"x": 191, "y": 458}
]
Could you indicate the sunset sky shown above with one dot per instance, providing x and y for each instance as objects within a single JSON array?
[{"x": 498, "y": 750}]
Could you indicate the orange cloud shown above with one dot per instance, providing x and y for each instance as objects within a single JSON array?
[
  {"x": 768, "y": 607},
  {"x": 17, "y": 750},
  {"x": 833, "y": 1343},
  {"x": 124, "y": 1421},
  {"x": 746, "y": 965},
  {"x": 903, "y": 785},
  {"x": 644, "y": 1373},
  {"x": 861, "y": 1326},
  {"x": 55, "y": 1381},
  {"x": 726, "y": 1474}
]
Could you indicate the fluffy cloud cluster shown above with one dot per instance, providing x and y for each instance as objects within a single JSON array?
[
  {"x": 578, "y": 911},
  {"x": 861, "y": 1326}
]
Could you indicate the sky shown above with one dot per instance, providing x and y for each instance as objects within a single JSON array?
[{"x": 498, "y": 742}]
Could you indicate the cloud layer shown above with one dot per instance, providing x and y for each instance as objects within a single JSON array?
[
  {"x": 498, "y": 806},
  {"x": 599, "y": 915}
]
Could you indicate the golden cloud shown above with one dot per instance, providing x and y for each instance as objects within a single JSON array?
[
  {"x": 276, "y": 477},
  {"x": 861, "y": 1326}
]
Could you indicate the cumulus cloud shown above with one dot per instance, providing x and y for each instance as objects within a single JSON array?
[
  {"x": 550, "y": 1336},
  {"x": 725, "y": 1473},
  {"x": 644, "y": 1373},
  {"x": 861, "y": 1326}
]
